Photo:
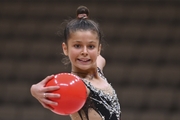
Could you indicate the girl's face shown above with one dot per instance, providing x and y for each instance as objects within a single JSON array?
[{"x": 82, "y": 49}]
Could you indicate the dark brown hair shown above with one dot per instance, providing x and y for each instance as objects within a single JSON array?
[{"x": 82, "y": 22}]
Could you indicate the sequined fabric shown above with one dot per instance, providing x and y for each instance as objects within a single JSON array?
[{"x": 104, "y": 102}]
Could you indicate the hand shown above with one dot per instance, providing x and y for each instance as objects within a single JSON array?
[
  {"x": 41, "y": 93},
  {"x": 101, "y": 62}
]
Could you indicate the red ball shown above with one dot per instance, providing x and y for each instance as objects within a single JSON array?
[{"x": 72, "y": 92}]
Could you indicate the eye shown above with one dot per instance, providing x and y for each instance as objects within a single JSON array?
[
  {"x": 77, "y": 46},
  {"x": 91, "y": 46}
]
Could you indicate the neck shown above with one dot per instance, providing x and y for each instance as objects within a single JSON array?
[{"x": 88, "y": 75}]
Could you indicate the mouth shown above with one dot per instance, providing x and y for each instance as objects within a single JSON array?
[{"x": 84, "y": 61}]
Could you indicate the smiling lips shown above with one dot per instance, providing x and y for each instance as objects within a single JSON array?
[{"x": 84, "y": 60}]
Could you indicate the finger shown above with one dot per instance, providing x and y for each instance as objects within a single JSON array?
[
  {"x": 48, "y": 89},
  {"x": 51, "y": 88},
  {"x": 47, "y": 79},
  {"x": 52, "y": 95},
  {"x": 49, "y": 102},
  {"x": 47, "y": 106}
]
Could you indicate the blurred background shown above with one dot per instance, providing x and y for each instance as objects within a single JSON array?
[{"x": 142, "y": 53}]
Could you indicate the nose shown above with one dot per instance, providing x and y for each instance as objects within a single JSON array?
[{"x": 84, "y": 51}]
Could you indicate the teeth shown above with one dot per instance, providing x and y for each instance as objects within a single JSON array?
[{"x": 84, "y": 60}]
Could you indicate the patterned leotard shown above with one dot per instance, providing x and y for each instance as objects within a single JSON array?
[{"x": 105, "y": 104}]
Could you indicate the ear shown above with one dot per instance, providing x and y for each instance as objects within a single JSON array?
[
  {"x": 65, "y": 49},
  {"x": 99, "y": 50}
]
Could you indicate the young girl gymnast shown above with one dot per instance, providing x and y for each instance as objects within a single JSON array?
[{"x": 82, "y": 45}]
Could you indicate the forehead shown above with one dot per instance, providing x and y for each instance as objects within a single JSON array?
[{"x": 84, "y": 35}]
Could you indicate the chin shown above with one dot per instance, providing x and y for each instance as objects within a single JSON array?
[{"x": 84, "y": 67}]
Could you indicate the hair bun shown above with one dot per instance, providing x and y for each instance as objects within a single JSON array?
[{"x": 82, "y": 12}]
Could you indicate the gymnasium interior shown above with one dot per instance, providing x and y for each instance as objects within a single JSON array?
[{"x": 142, "y": 52}]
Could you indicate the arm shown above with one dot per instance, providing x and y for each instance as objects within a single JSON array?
[{"x": 101, "y": 62}]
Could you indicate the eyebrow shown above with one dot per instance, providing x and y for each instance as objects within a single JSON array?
[{"x": 81, "y": 41}]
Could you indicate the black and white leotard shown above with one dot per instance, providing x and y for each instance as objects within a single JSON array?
[{"x": 106, "y": 104}]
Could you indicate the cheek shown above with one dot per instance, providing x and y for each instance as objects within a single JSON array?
[
  {"x": 94, "y": 54},
  {"x": 73, "y": 53}
]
